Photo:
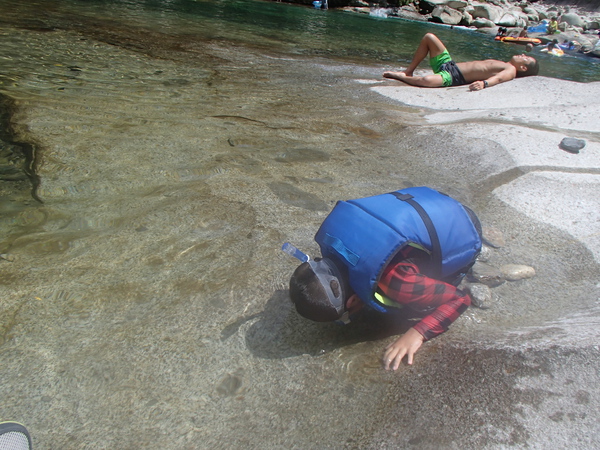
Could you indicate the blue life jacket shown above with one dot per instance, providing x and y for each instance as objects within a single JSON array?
[{"x": 366, "y": 234}]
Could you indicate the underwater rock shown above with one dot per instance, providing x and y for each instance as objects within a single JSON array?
[
  {"x": 302, "y": 155},
  {"x": 291, "y": 195},
  {"x": 230, "y": 385},
  {"x": 493, "y": 237},
  {"x": 481, "y": 295},
  {"x": 486, "y": 253},
  {"x": 514, "y": 272},
  {"x": 7, "y": 257},
  {"x": 486, "y": 274}
]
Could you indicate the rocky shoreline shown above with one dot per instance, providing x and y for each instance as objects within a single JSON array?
[{"x": 577, "y": 31}]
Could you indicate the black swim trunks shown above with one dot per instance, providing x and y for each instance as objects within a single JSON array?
[
  {"x": 443, "y": 65},
  {"x": 455, "y": 73}
]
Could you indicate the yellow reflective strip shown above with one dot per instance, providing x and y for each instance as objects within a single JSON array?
[{"x": 386, "y": 301}]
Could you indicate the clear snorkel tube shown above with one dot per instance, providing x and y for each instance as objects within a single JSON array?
[{"x": 293, "y": 251}]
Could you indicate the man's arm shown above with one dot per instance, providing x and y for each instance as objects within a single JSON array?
[
  {"x": 505, "y": 75},
  {"x": 404, "y": 284}
]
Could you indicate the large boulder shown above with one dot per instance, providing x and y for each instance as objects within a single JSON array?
[
  {"x": 592, "y": 24},
  {"x": 587, "y": 45},
  {"x": 573, "y": 20},
  {"x": 457, "y": 4},
  {"x": 532, "y": 14},
  {"x": 467, "y": 20},
  {"x": 489, "y": 12},
  {"x": 596, "y": 50},
  {"x": 480, "y": 22},
  {"x": 447, "y": 15},
  {"x": 427, "y": 6},
  {"x": 512, "y": 19}
]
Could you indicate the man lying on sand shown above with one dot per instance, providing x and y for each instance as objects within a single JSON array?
[{"x": 477, "y": 74}]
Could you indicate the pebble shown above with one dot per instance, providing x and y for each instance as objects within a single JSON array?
[
  {"x": 485, "y": 255},
  {"x": 493, "y": 237},
  {"x": 572, "y": 145},
  {"x": 481, "y": 295},
  {"x": 486, "y": 274},
  {"x": 7, "y": 257},
  {"x": 514, "y": 272}
]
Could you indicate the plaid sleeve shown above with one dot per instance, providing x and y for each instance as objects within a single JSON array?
[{"x": 404, "y": 284}]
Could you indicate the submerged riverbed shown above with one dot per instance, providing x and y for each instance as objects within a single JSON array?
[{"x": 144, "y": 302}]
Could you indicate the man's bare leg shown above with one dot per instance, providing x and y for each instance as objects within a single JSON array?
[
  {"x": 426, "y": 81},
  {"x": 430, "y": 44}
]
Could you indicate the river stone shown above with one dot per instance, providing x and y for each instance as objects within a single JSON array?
[
  {"x": 572, "y": 145},
  {"x": 481, "y": 295},
  {"x": 486, "y": 253},
  {"x": 493, "y": 237},
  {"x": 486, "y": 274},
  {"x": 514, "y": 272}
]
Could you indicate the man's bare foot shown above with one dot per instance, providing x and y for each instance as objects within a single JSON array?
[{"x": 402, "y": 76}]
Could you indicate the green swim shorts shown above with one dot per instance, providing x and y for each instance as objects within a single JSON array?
[{"x": 436, "y": 63}]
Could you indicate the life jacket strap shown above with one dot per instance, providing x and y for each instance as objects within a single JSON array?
[{"x": 436, "y": 248}]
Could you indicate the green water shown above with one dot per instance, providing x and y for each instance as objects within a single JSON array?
[{"x": 290, "y": 29}]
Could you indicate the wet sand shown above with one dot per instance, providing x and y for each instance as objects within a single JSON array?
[{"x": 147, "y": 306}]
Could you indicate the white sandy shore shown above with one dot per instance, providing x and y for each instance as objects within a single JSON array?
[{"x": 528, "y": 118}]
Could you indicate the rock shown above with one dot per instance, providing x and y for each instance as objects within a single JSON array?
[
  {"x": 493, "y": 237},
  {"x": 531, "y": 11},
  {"x": 7, "y": 257},
  {"x": 592, "y": 25},
  {"x": 573, "y": 20},
  {"x": 486, "y": 274},
  {"x": 427, "y": 6},
  {"x": 446, "y": 15},
  {"x": 485, "y": 254},
  {"x": 481, "y": 295},
  {"x": 489, "y": 12},
  {"x": 572, "y": 145},
  {"x": 596, "y": 49},
  {"x": 457, "y": 4},
  {"x": 507, "y": 20},
  {"x": 467, "y": 20},
  {"x": 513, "y": 19},
  {"x": 587, "y": 46},
  {"x": 514, "y": 272},
  {"x": 482, "y": 23}
]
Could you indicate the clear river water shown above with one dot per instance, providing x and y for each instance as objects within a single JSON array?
[{"x": 173, "y": 146}]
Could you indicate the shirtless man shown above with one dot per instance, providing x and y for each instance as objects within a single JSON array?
[{"x": 477, "y": 74}]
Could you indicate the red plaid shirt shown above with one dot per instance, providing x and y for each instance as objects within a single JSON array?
[{"x": 403, "y": 283}]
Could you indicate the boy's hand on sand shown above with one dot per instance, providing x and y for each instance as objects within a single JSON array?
[{"x": 407, "y": 344}]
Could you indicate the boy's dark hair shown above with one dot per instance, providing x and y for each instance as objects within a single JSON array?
[
  {"x": 533, "y": 68},
  {"x": 309, "y": 296}
]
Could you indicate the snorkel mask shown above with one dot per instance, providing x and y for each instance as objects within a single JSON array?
[{"x": 330, "y": 278}]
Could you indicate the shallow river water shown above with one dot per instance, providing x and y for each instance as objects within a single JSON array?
[{"x": 177, "y": 145}]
